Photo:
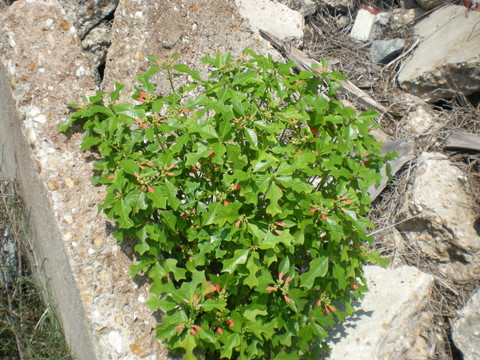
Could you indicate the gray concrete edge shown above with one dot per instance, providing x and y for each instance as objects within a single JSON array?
[{"x": 52, "y": 267}]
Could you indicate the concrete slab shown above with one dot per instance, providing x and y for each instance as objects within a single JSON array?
[
  {"x": 447, "y": 60},
  {"x": 388, "y": 319}
]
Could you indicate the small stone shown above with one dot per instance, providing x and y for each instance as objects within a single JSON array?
[
  {"x": 136, "y": 349},
  {"x": 52, "y": 185},
  {"x": 48, "y": 24},
  {"x": 119, "y": 319},
  {"x": 64, "y": 24},
  {"x": 139, "y": 55},
  {"x": 69, "y": 183},
  {"x": 99, "y": 241},
  {"x": 384, "y": 51},
  {"x": 382, "y": 18},
  {"x": 68, "y": 219},
  {"x": 80, "y": 71}
]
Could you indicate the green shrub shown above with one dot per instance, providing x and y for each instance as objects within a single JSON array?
[{"x": 247, "y": 202}]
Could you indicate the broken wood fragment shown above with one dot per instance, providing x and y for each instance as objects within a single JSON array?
[{"x": 463, "y": 140}]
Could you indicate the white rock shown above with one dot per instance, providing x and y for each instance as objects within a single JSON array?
[
  {"x": 447, "y": 60},
  {"x": 115, "y": 340},
  {"x": 438, "y": 219},
  {"x": 367, "y": 24},
  {"x": 388, "y": 320},
  {"x": 466, "y": 330},
  {"x": 273, "y": 17},
  {"x": 419, "y": 118}
]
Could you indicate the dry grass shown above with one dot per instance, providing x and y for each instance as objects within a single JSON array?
[{"x": 29, "y": 328}]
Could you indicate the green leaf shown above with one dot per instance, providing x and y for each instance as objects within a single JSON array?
[
  {"x": 253, "y": 266},
  {"x": 129, "y": 166},
  {"x": 339, "y": 274},
  {"x": 157, "y": 197},
  {"x": 239, "y": 257},
  {"x": 251, "y": 136},
  {"x": 231, "y": 342},
  {"x": 209, "y": 305},
  {"x": 169, "y": 219},
  {"x": 205, "y": 130},
  {"x": 274, "y": 193},
  {"x": 170, "y": 265},
  {"x": 122, "y": 210},
  {"x": 115, "y": 95},
  {"x": 189, "y": 344},
  {"x": 317, "y": 268},
  {"x": 136, "y": 199},
  {"x": 90, "y": 141},
  {"x": 375, "y": 258},
  {"x": 253, "y": 311},
  {"x": 210, "y": 216},
  {"x": 170, "y": 191}
]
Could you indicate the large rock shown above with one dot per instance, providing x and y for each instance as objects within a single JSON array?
[
  {"x": 447, "y": 59},
  {"x": 274, "y": 17},
  {"x": 388, "y": 321},
  {"x": 466, "y": 331},
  {"x": 42, "y": 69},
  {"x": 438, "y": 220},
  {"x": 86, "y": 14}
]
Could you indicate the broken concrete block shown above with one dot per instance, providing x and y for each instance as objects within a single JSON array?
[
  {"x": 388, "y": 320},
  {"x": 446, "y": 62},
  {"x": 276, "y": 18},
  {"x": 363, "y": 28},
  {"x": 367, "y": 24},
  {"x": 438, "y": 219},
  {"x": 384, "y": 51}
]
